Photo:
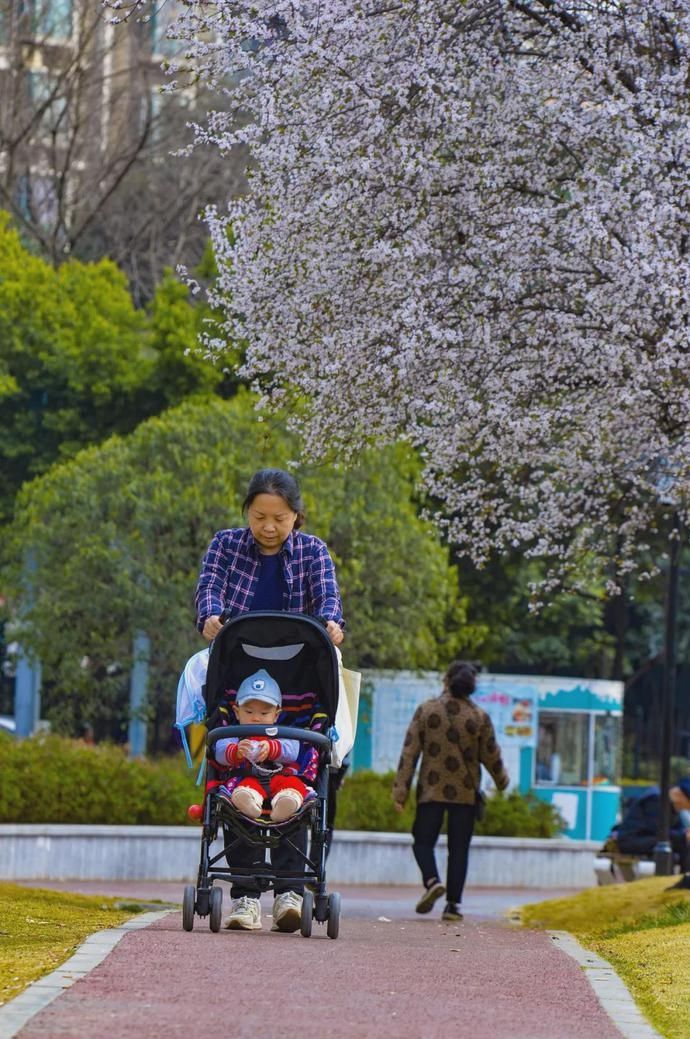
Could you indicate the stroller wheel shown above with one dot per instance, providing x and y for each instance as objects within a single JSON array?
[
  {"x": 216, "y": 914},
  {"x": 188, "y": 906},
  {"x": 307, "y": 914},
  {"x": 333, "y": 925}
]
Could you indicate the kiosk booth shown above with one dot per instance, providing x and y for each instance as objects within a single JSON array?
[{"x": 560, "y": 737}]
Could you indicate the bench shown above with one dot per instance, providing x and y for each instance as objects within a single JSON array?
[{"x": 613, "y": 866}]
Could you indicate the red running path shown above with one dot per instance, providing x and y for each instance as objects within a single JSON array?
[{"x": 405, "y": 977}]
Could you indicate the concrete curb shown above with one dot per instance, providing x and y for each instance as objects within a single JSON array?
[
  {"x": 609, "y": 989},
  {"x": 15, "y": 1014}
]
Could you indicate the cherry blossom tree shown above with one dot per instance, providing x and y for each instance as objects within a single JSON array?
[{"x": 466, "y": 225}]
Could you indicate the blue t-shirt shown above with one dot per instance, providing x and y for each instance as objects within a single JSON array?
[{"x": 271, "y": 586}]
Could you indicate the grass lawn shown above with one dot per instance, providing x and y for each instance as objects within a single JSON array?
[
  {"x": 643, "y": 930},
  {"x": 39, "y": 930}
]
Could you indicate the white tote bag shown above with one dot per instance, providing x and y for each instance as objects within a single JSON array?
[{"x": 346, "y": 713}]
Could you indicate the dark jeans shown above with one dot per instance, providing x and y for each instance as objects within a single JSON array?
[
  {"x": 426, "y": 828},
  {"x": 282, "y": 857},
  {"x": 645, "y": 846}
]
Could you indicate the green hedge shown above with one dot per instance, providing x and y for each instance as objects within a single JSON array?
[
  {"x": 365, "y": 803},
  {"x": 51, "y": 779}
]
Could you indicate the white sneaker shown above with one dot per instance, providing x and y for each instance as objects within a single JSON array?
[
  {"x": 245, "y": 915},
  {"x": 287, "y": 911},
  {"x": 285, "y": 804}
]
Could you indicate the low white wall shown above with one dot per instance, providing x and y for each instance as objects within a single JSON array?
[{"x": 67, "y": 852}]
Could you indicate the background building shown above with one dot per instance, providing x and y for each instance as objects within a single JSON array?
[{"x": 87, "y": 135}]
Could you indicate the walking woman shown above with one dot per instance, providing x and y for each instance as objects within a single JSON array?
[
  {"x": 269, "y": 565},
  {"x": 454, "y": 737}
]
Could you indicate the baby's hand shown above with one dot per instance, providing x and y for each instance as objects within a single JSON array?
[
  {"x": 245, "y": 749},
  {"x": 261, "y": 749},
  {"x": 253, "y": 750}
]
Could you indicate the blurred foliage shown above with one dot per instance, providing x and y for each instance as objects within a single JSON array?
[
  {"x": 54, "y": 779},
  {"x": 519, "y": 815},
  {"x": 78, "y": 362},
  {"x": 50, "y": 779},
  {"x": 678, "y": 768},
  {"x": 365, "y": 802},
  {"x": 117, "y": 534},
  {"x": 400, "y": 593},
  {"x": 567, "y": 636},
  {"x": 581, "y": 631}
]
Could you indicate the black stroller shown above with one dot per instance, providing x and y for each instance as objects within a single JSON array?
[{"x": 297, "y": 652}]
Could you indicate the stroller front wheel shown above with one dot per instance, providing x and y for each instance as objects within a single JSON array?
[
  {"x": 307, "y": 914},
  {"x": 333, "y": 925},
  {"x": 216, "y": 912},
  {"x": 188, "y": 906}
]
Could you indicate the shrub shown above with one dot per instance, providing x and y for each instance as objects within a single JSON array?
[
  {"x": 50, "y": 779},
  {"x": 365, "y": 803},
  {"x": 519, "y": 815}
]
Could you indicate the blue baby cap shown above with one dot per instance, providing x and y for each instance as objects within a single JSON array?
[{"x": 259, "y": 686}]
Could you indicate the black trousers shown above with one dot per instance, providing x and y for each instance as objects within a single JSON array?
[
  {"x": 426, "y": 828},
  {"x": 282, "y": 857},
  {"x": 645, "y": 846}
]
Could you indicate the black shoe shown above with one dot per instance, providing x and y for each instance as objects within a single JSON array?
[
  {"x": 426, "y": 902},
  {"x": 684, "y": 882},
  {"x": 451, "y": 913}
]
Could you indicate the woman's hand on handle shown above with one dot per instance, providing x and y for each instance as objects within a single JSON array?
[
  {"x": 335, "y": 632},
  {"x": 212, "y": 625}
]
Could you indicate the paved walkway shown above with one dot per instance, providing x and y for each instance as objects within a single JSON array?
[{"x": 390, "y": 974}]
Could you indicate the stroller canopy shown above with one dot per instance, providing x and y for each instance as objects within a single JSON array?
[{"x": 295, "y": 650}]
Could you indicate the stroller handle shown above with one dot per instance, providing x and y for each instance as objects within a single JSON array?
[{"x": 284, "y": 732}]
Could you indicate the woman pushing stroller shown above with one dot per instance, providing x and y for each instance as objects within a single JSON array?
[{"x": 269, "y": 565}]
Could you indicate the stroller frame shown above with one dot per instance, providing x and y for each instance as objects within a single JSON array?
[{"x": 205, "y": 899}]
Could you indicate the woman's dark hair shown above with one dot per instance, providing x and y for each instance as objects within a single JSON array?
[
  {"x": 461, "y": 678},
  {"x": 276, "y": 481}
]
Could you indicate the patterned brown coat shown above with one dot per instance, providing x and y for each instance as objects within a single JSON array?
[{"x": 454, "y": 736}]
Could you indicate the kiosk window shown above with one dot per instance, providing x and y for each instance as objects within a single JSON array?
[
  {"x": 606, "y": 749},
  {"x": 562, "y": 750}
]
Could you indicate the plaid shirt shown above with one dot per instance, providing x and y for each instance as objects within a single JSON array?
[{"x": 230, "y": 573}]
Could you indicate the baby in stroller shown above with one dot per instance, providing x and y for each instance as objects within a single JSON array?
[
  {"x": 269, "y": 702},
  {"x": 261, "y": 766}
]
